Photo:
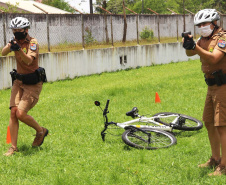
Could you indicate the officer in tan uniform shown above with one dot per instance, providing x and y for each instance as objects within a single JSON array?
[
  {"x": 27, "y": 82},
  {"x": 211, "y": 47}
]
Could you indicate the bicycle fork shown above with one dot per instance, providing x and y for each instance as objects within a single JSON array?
[{"x": 105, "y": 128}]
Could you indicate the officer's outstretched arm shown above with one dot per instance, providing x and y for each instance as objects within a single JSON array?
[
  {"x": 189, "y": 45},
  {"x": 6, "y": 50},
  {"x": 190, "y": 53},
  {"x": 211, "y": 58}
]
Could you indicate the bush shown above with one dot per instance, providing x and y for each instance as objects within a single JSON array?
[
  {"x": 147, "y": 33},
  {"x": 88, "y": 37}
]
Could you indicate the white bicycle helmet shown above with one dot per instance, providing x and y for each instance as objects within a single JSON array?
[
  {"x": 19, "y": 23},
  {"x": 206, "y": 15}
]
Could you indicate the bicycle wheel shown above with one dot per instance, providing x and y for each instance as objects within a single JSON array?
[
  {"x": 158, "y": 139},
  {"x": 184, "y": 122}
]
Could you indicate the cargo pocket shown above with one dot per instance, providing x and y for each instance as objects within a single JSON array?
[{"x": 221, "y": 106}]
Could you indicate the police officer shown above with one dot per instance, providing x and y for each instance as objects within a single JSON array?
[
  {"x": 211, "y": 47},
  {"x": 26, "y": 86}
]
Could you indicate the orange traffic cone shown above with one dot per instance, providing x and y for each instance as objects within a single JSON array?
[
  {"x": 157, "y": 99},
  {"x": 8, "y": 137}
]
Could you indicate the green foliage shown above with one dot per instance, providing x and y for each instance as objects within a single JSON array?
[
  {"x": 114, "y": 6},
  {"x": 147, "y": 34},
  {"x": 159, "y": 6},
  {"x": 11, "y": 8},
  {"x": 89, "y": 39},
  {"x": 61, "y": 4}
]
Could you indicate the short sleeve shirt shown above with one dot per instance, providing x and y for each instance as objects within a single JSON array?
[
  {"x": 29, "y": 46},
  {"x": 217, "y": 41}
]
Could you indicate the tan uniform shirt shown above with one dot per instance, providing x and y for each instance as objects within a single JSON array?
[
  {"x": 31, "y": 48},
  {"x": 217, "y": 41}
]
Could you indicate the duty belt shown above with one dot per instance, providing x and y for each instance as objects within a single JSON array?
[
  {"x": 31, "y": 78},
  {"x": 19, "y": 77},
  {"x": 219, "y": 79},
  {"x": 210, "y": 81}
]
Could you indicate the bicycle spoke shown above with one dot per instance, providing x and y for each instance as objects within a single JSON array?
[
  {"x": 137, "y": 137},
  {"x": 157, "y": 140}
]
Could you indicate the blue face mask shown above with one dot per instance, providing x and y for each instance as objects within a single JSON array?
[{"x": 20, "y": 35}]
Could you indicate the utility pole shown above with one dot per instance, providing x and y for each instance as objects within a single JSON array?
[
  {"x": 142, "y": 6},
  {"x": 91, "y": 6},
  {"x": 125, "y": 22},
  {"x": 184, "y": 15}
]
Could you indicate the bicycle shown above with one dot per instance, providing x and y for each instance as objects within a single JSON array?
[{"x": 155, "y": 132}]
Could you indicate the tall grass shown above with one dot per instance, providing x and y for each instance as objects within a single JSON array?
[{"x": 74, "y": 152}]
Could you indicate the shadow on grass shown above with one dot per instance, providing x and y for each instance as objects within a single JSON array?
[
  {"x": 203, "y": 172},
  {"x": 126, "y": 147},
  {"x": 28, "y": 150},
  {"x": 185, "y": 133}
]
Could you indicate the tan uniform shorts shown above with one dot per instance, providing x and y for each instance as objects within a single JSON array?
[
  {"x": 215, "y": 106},
  {"x": 25, "y": 97}
]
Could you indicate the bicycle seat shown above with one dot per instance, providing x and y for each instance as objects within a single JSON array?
[{"x": 133, "y": 113}]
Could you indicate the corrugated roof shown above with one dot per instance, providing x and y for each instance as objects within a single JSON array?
[{"x": 28, "y": 6}]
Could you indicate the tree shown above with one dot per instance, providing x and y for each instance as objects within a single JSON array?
[
  {"x": 220, "y": 5},
  {"x": 11, "y": 8},
  {"x": 61, "y": 4},
  {"x": 160, "y": 6},
  {"x": 114, "y": 6}
]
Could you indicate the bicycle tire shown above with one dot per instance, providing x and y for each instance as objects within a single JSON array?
[
  {"x": 187, "y": 123},
  {"x": 159, "y": 139}
]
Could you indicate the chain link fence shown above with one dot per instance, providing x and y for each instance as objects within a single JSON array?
[{"x": 57, "y": 32}]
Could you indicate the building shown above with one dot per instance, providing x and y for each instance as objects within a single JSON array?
[{"x": 32, "y": 7}]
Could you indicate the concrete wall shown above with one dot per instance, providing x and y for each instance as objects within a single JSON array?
[
  {"x": 68, "y": 28},
  {"x": 86, "y": 62}
]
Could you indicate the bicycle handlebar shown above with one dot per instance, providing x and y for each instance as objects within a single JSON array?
[{"x": 106, "y": 108}]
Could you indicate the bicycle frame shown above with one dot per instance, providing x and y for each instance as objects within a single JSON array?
[
  {"x": 147, "y": 120},
  {"x": 143, "y": 119},
  {"x": 140, "y": 119}
]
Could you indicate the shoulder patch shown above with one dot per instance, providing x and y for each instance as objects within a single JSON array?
[
  {"x": 33, "y": 46},
  {"x": 221, "y": 43}
]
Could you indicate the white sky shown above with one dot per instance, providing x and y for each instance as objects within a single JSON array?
[{"x": 81, "y": 5}]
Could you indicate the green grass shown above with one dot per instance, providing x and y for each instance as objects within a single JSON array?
[
  {"x": 96, "y": 45},
  {"x": 74, "y": 152}
]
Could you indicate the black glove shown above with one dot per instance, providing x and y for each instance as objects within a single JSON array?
[
  {"x": 14, "y": 46},
  {"x": 189, "y": 43}
]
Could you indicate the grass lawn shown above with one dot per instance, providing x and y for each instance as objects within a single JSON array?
[{"x": 74, "y": 153}]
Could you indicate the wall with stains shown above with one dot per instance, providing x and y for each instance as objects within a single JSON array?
[
  {"x": 55, "y": 29},
  {"x": 71, "y": 64}
]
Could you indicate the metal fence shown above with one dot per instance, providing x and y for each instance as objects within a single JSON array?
[{"x": 57, "y": 32}]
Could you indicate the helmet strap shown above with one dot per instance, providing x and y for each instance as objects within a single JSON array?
[{"x": 215, "y": 27}]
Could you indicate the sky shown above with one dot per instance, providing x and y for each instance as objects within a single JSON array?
[{"x": 81, "y": 5}]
